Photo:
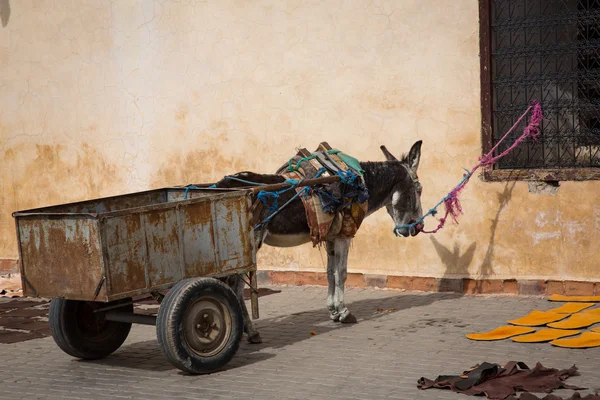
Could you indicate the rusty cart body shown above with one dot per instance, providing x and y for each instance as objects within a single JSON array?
[{"x": 96, "y": 258}]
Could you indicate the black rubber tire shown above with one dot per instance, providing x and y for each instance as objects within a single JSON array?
[
  {"x": 171, "y": 321},
  {"x": 71, "y": 327}
]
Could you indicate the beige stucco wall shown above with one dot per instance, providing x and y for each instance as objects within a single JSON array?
[{"x": 100, "y": 98}]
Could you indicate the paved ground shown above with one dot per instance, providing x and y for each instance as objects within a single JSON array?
[{"x": 383, "y": 356}]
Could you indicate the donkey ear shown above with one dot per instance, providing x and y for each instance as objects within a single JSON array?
[
  {"x": 414, "y": 156},
  {"x": 389, "y": 156}
]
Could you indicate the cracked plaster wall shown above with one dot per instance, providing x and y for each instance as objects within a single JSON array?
[{"x": 105, "y": 97}]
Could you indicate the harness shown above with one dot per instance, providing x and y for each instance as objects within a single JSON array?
[
  {"x": 336, "y": 209},
  {"x": 451, "y": 201}
]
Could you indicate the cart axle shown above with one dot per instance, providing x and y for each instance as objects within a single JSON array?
[{"x": 133, "y": 318}]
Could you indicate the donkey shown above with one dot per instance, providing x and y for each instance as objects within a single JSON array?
[{"x": 393, "y": 184}]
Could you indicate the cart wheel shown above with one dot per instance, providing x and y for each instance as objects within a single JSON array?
[
  {"x": 199, "y": 325},
  {"x": 82, "y": 333}
]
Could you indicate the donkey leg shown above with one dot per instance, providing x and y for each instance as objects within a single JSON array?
[
  {"x": 333, "y": 313},
  {"x": 238, "y": 289},
  {"x": 237, "y": 285},
  {"x": 341, "y": 248}
]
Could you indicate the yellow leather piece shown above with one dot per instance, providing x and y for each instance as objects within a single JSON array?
[
  {"x": 597, "y": 330},
  {"x": 585, "y": 299},
  {"x": 587, "y": 339},
  {"x": 502, "y": 332},
  {"x": 571, "y": 308},
  {"x": 545, "y": 335},
  {"x": 537, "y": 318},
  {"x": 576, "y": 321}
]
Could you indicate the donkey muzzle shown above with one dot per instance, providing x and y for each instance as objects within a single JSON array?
[{"x": 414, "y": 230}]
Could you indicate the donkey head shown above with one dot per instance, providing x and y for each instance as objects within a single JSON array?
[{"x": 405, "y": 204}]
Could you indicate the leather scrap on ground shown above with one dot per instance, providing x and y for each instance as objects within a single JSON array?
[
  {"x": 500, "y": 333},
  {"x": 499, "y": 383},
  {"x": 571, "y": 308},
  {"x": 560, "y": 324},
  {"x": 585, "y": 341},
  {"x": 538, "y": 318},
  {"x": 576, "y": 396},
  {"x": 577, "y": 321},
  {"x": 545, "y": 335},
  {"x": 584, "y": 299},
  {"x": 10, "y": 286},
  {"x": 22, "y": 320}
]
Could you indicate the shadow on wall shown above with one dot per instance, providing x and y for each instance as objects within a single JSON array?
[
  {"x": 504, "y": 198},
  {"x": 4, "y": 12},
  {"x": 457, "y": 264}
]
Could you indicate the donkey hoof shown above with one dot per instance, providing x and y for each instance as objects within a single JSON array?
[
  {"x": 254, "y": 338},
  {"x": 335, "y": 317},
  {"x": 350, "y": 319}
]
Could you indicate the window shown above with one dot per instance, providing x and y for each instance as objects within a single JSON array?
[{"x": 547, "y": 50}]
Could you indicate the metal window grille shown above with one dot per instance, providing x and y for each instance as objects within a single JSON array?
[{"x": 547, "y": 50}]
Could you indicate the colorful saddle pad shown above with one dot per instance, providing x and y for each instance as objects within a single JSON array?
[{"x": 346, "y": 202}]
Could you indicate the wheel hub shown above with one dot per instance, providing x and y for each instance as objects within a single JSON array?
[{"x": 207, "y": 326}]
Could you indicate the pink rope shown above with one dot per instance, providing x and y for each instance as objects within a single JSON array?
[{"x": 451, "y": 201}]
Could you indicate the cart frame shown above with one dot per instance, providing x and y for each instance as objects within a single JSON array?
[{"x": 96, "y": 258}]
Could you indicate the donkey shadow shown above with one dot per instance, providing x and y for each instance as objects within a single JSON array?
[
  {"x": 286, "y": 330},
  {"x": 457, "y": 262},
  {"x": 277, "y": 332}
]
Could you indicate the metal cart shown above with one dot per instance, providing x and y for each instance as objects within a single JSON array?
[{"x": 95, "y": 258}]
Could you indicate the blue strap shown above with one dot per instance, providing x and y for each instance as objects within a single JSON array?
[
  {"x": 320, "y": 172},
  {"x": 187, "y": 189},
  {"x": 266, "y": 220},
  {"x": 347, "y": 177},
  {"x": 263, "y": 195}
]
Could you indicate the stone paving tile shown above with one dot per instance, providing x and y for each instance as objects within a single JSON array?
[{"x": 400, "y": 337}]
